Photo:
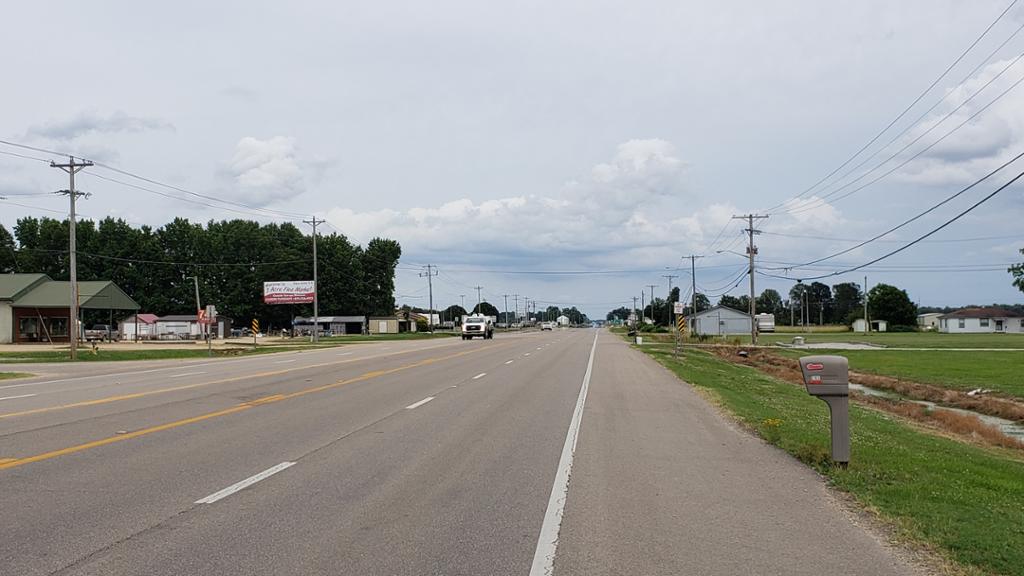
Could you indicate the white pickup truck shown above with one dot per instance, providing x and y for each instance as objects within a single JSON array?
[{"x": 477, "y": 326}]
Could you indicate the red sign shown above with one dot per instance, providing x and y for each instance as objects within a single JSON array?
[{"x": 814, "y": 366}]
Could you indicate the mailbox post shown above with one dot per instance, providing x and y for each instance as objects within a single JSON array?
[{"x": 828, "y": 378}]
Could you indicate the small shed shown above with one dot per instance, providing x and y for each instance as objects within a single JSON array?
[
  {"x": 187, "y": 326},
  {"x": 139, "y": 327},
  {"x": 562, "y": 320},
  {"x": 720, "y": 321},
  {"x": 333, "y": 324},
  {"x": 876, "y": 325}
]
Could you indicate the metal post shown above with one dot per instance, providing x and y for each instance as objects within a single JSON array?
[
  {"x": 199, "y": 308},
  {"x": 867, "y": 323}
]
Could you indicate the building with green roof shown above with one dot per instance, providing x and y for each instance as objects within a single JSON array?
[{"x": 36, "y": 308}]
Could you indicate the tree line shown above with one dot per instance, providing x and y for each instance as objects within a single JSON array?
[
  {"x": 455, "y": 312},
  {"x": 232, "y": 259},
  {"x": 813, "y": 303}
]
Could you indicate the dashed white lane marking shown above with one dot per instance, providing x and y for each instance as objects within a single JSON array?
[
  {"x": 245, "y": 483},
  {"x": 547, "y": 542},
  {"x": 510, "y": 361},
  {"x": 538, "y": 348},
  {"x": 186, "y": 374},
  {"x": 480, "y": 375},
  {"x": 345, "y": 354},
  {"x": 285, "y": 361},
  {"x": 420, "y": 403},
  {"x": 527, "y": 354},
  {"x": 13, "y": 397}
]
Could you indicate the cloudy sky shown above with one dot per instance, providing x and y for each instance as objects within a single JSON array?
[{"x": 511, "y": 143}]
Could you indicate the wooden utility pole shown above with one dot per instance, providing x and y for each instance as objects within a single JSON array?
[
  {"x": 72, "y": 168},
  {"x": 751, "y": 252},
  {"x": 316, "y": 299}
]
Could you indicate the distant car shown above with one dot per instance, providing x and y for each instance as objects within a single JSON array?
[
  {"x": 547, "y": 325},
  {"x": 477, "y": 326}
]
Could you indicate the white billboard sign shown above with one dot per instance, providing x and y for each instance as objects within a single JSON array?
[{"x": 292, "y": 292}]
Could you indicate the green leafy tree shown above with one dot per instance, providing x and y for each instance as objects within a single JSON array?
[
  {"x": 770, "y": 302},
  {"x": 892, "y": 304},
  {"x": 1018, "y": 274},
  {"x": 621, "y": 314},
  {"x": 378, "y": 262},
  {"x": 702, "y": 304},
  {"x": 485, "y": 308},
  {"x": 454, "y": 313},
  {"x": 8, "y": 257},
  {"x": 729, "y": 301},
  {"x": 847, "y": 300}
]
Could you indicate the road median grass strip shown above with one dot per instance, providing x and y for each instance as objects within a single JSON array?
[
  {"x": 12, "y": 375},
  {"x": 965, "y": 501}
]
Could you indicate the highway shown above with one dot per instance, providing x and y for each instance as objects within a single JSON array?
[{"x": 560, "y": 451}]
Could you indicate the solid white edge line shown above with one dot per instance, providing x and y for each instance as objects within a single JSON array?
[
  {"x": 420, "y": 403},
  {"x": 480, "y": 375},
  {"x": 547, "y": 542},
  {"x": 244, "y": 483},
  {"x": 285, "y": 361},
  {"x": 13, "y": 397}
]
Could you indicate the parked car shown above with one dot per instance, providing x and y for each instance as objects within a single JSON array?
[{"x": 102, "y": 333}]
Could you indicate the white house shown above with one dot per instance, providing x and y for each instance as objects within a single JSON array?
[
  {"x": 982, "y": 321},
  {"x": 719, "y": 321},
  {"x": 929, "y": 321},
  {"x": 563, "y": 320}
]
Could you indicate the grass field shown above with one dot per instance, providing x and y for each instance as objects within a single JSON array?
[
  {"x": 906, "y": 339},
  {"x": 965, "y": 500},
  {"x": 10, "y": 375},
  {"x": 959, "y": 370}
]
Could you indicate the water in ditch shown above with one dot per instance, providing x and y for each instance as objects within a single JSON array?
[{"x": 1008, "y": 427}]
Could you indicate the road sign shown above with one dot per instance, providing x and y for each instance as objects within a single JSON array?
[
  {"x": 681, "y": 324},
  {"x": 255, "y": 326},
  {"x": 677, "y": 307}
]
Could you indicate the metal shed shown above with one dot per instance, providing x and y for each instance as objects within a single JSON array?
[{"x": 720, "y": 321}]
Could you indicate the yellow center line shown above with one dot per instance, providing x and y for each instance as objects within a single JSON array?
[
  {"x": 15, "y": 462},
  {"x": 122, "y": 397}
]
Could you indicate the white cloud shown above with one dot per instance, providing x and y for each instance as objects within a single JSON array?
[
  {"x": 982, "y": 144},
  {"x": 91, "y": 122},
  {"x": 632, "y": 201},
  {"x": 265, "y": 171}
]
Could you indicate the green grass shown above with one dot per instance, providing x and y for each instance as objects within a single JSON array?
[
  {"x": 86, "y": 354},
  {"x": 959, "y": 370},
  {"x": 965, "y": 500},
  {"x": 906, "y": 339},
  {"x": 10, "y": 375}
]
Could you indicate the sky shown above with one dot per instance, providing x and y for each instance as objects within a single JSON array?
[{"x": 569, "y": 152}]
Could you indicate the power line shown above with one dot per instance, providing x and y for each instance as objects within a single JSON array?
[
  {"x": 918, "y": 216},
  {"x": 948, "y": 240},
  {"x": 810, "y": 205},
  {"x": 909, "y": 107},
  {"x": 926, "y": 235}
]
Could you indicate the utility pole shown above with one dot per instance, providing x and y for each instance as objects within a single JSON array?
[
  {"x": 751, "y": 252},
  {"x": 867, "y": 323},
  {"x": 505, "y": 296},
  {"x": 72, "y": 168},
  {"x": 479, "y": 300},
  {"x": 430, "y": 273},
  {"x": 199, "y": 307},
  {"x": 516, "y": 296},
  {"x": 316, "y": 299},
  {"x": 634, "y": 310},
  {"x": 693, "y": 286},
  {"x": 643, "y": 305},
  {"x": 668, "y": 299},
  {"x": 652, "y": 287}
]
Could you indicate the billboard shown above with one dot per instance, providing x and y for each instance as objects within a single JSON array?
[{"x": 293, "y": 292}]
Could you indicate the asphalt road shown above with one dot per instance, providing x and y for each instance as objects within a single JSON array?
[{"x": 438, "y": 457}]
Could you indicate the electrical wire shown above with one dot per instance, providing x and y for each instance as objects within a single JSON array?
[
  {"x": 910, "y": 106},
  {"x": 922, "y": 237},
  {"x": 917, "y": 216},
  {"x": 948, "y": 240}
]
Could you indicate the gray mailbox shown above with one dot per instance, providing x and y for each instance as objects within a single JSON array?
[{"x": 828, "y": 378}]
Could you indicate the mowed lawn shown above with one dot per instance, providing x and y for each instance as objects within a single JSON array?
[
  {"x": 905, "y": 339},
  {"x": 959, "y": 370}
]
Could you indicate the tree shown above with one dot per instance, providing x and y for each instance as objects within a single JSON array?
[
  {"x": 453, "y": 313},
  {"x": 847, "y": 299},
  {"x": 889, "y": 303},
  {"x": 485, "y": 308},
  {"x": 378, "y": 262},
  {"x": 551, "y": 313},
  {"x": 8, "y": 262},
  {"x": 1018, "y": 274},
  {"x": 770, "y": 302},
  {"x": 730, "y": 302},
  {"x": 819, "y": 302},
  {"x": 621, "y": 314},
  {"x": 702, "y": 304}
]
